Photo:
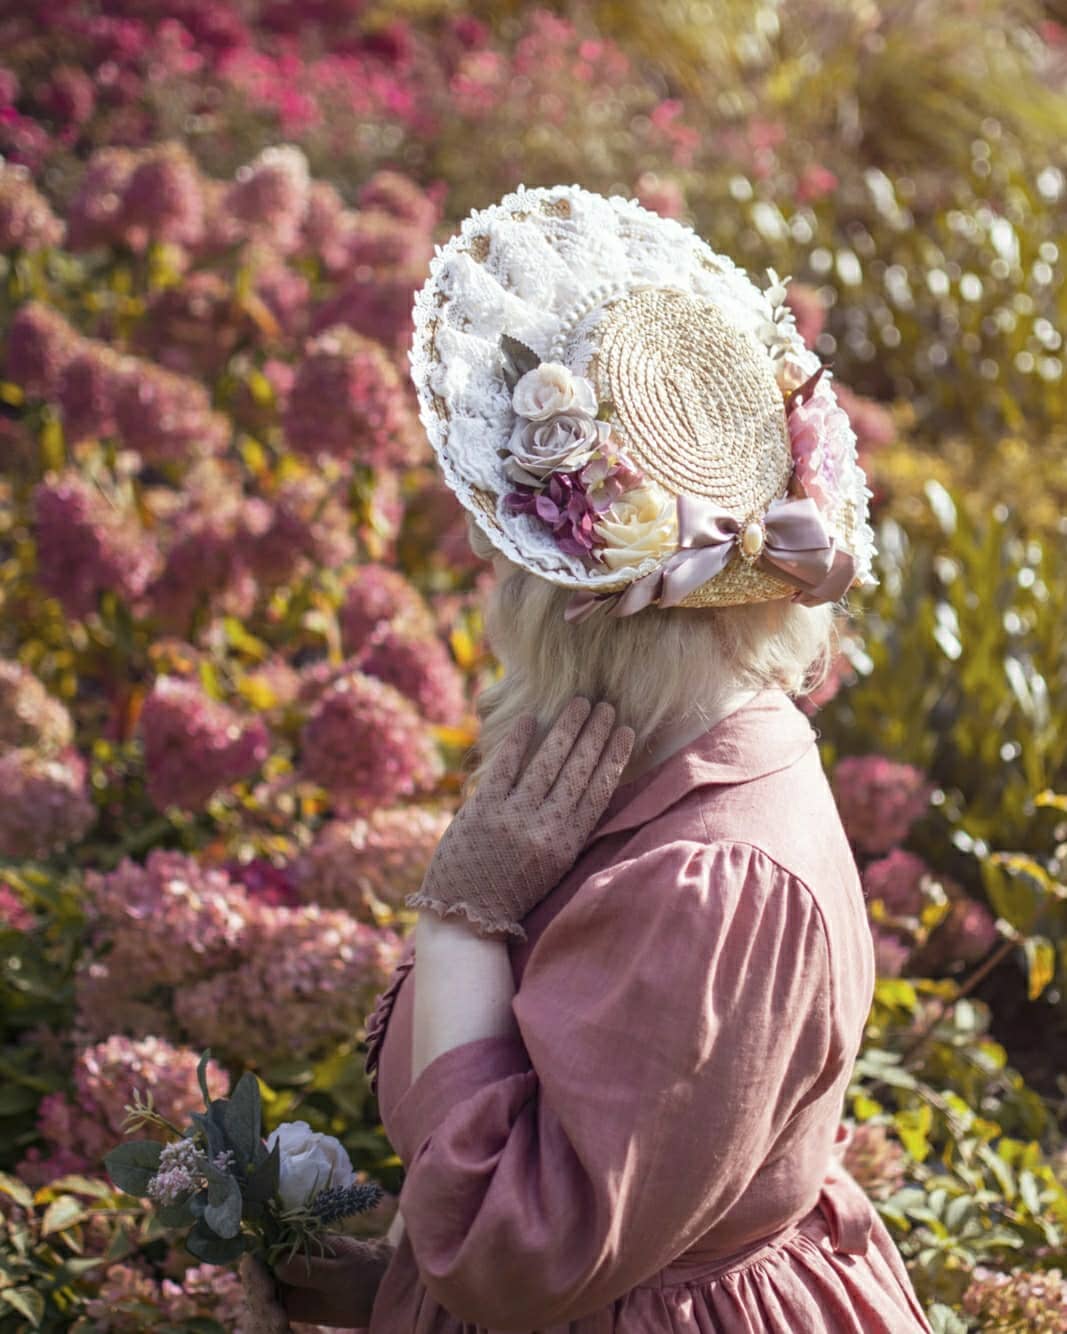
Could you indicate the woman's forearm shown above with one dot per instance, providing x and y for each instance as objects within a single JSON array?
[{"x": 463, "y": 988}]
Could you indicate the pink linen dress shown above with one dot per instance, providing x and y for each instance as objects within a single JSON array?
[{"x": 659, "y": 1150}]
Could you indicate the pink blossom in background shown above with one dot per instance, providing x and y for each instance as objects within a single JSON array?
[
  {"x": 44, "y": 802},
  {"x": 421, "y": 668},
  {"x": 194, "y": 745},
  {"x": 349, "y": 400},
  {"x": 193, "y": 327},
  {"x": 264, "y": 882},
  {"x": 9, "y": 86},
  {"x": 68, "y": 98},
  {"x": 29, "y": 715},
  {"x": 874, "y": 1160},
  {"x": 352, "y": 863},
  {"x": 40, "y": 342},
  {"x": 891, "y": 951},
  {"x": 14, "y": 915},
  {"x": 86, "y": 545},
  {"x": 871, "y": 420},
  {"x": 897, "y": 879},
  {"x": 163, "y": 198},
  {"x": 376, "y": 240},
  {"x": 879, "y": 800},
  {"x": 364, "y": 743},
  {"x": 1031, "y": 1300},
  {"x": 393, "y": 193},
  {"x": 809, "y": 311},
  {"x": 965, "y": 936},
  {"x": 165, "y": 416},
  {"x": 815, "y": 183},
  {"x": 376, "y": 595},
  {"x": 660, "y": 194},
  {"x": 270, "y": 196},
  {"x": 324, "y": 230},
  {"x": 307, "y": 979},
  {"x": 307, "y": 523},
  {"x": 87, "y": 390},
  {"x": 89, "y": 1122},
  {"x": 26, "y": 218},
  {"x": 96, "y": 215},
  {"x": 285, "y": 294},
  {"x": 479, "y": 83},
  {"x": 376, "y": 305}
]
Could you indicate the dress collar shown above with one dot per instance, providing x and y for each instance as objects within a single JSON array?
[{"x": 764, "y": 735}]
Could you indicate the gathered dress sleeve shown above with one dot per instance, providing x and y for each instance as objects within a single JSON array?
[{"x": 673, "y": 1016}]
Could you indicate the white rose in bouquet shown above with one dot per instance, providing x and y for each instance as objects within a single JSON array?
[{"x": 309, "y": 1162}]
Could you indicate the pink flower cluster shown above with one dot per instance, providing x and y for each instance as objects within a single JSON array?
[
  {"x": 879, "y": 800},
  {"x": 29, "y": 715},
  {"x": 364, "y": 743},
  {"x": 348, "y": 400},
  {"x": 26, "y": 218},
  {"x": 307, "y": 977},
  {"x": 353, "y": 864},
  {"x": 420, "y": 667},
  {"x": 14, "y": 915},
  {"x": 44, "y": 802},
  {"x": 194, "y": 745},
  {"x": 87, "y": 1123},
  {"x": 204, "y": 1296},
  {"x": 874, "y": 1160},
  {"x": 375, "y": 596},
  {"x": 1034, "y": 1300}
]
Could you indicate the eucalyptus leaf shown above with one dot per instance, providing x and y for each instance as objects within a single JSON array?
[
  {"x": 201, "y": 1075},
  {"x": 223, "y": 1212},
  {"x": 262, "y": 1181},
  {"x": 215, "y": 1250},
  {"x": 179, "y": 1214},
  {"x": 132, "y": 1165},
  {"x": 242, "y": 1119}
]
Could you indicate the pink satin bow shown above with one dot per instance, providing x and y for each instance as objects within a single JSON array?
[{"x": 797, "y": 549}]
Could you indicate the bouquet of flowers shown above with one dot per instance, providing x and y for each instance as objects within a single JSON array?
[{"x": 235, "y": 1192}]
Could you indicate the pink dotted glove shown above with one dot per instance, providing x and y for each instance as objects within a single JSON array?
[{"x": 523, "y": 828}]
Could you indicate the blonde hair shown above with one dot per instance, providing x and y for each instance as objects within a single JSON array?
[{"x": 659, "y": 668}]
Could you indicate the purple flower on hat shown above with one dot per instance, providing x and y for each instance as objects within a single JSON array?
[{"x": 566, "y": 506}]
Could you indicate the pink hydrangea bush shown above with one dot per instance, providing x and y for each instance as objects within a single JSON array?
[
  {"x": 376, "y": 596},
  {"x": 1031, "y": 1300},
  {"x": 29, "y": 715},
  {"x": 87, "y": 1123},
  {"x": 876, "y": 1161},
  {"x": 44, "y": 802},
  {"x": 421, "y": 668},
  {"x": 879, "y": 800},
  {"x": 194, "y": 745}
]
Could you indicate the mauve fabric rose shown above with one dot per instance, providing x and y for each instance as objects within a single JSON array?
[
  {"x": 310, "y": 1162},
  {"x": 563, "y": 443},
  {"x": 552, "y": 388}
]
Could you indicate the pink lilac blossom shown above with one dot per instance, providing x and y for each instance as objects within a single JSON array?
[
  {"x": 349, "y": 401},
  {"x": 39, "y": 344},
  {"x": 96, "y": 214},
  {"x": 160, "y": 925},
  {"x": 193, "y": 327},
  {"x": 264, "y": 882},
  {"x": 1031, "y": 1300},
  {"x": 163, "y": 198},
  {"x": 306, "y": 523},
  {"x": 194, "y": 745},
  {"x": 180, "y": 1172},
  {"x": 87, "y": 392},
  {"x": 364, "y": 743},
  {"x": 353, "y": 863},
  {"x": 875, "y": 1161},
  {"x": 87, "y": 546},
  {"x": 819, "y": 437},
  {"x": 421, "y": 668},
  {"x": 29, "y": 715},
  {"x": 26, "y": 218},
  {"x": 897, "y": 879},
  {"x": 167, "y": 417},
  {"x": 14, "y": 915},
  {"x": 44, "y": 802},
  {"x": 88, "y": 1121},
  {"x": 891, "y": 951},
  {"x": 393, "y": 193},
  {"x": 377, "y": 595},
  {"x": 270, "y": 196},
  {"x": 879, "y": 800},
  {"x": 69, "y": 97},
  {"x": 965, "y": 936},
  {"x": 307, "y": 979},
  {"x": 377, "y": 305}
]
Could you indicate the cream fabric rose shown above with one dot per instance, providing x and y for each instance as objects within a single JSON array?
[
  {"x": 561, "y": 444},
  {"x": 641, "y": 523},
  {"x": 550, "y": 389},
  {"x": 308, "y": 1162}
]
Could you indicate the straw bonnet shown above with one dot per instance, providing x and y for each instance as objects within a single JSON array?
[{"x": 626, "y": 414}]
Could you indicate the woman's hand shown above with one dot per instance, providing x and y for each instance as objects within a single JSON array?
[
  {"x": 523, "y": 828},
  {"x": 336, "y": 1289}
]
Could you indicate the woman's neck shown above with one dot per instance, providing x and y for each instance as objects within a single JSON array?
[{"x": 673, "y": 738}]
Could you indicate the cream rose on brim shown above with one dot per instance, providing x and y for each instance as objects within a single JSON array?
[
  {"x": 562, "y": 444},
  {"x": 640, "y": 524},
  {"x": 551, "y": 388}
]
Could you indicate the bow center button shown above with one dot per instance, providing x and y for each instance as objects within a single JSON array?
[{"x": 752, "y": 539}]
